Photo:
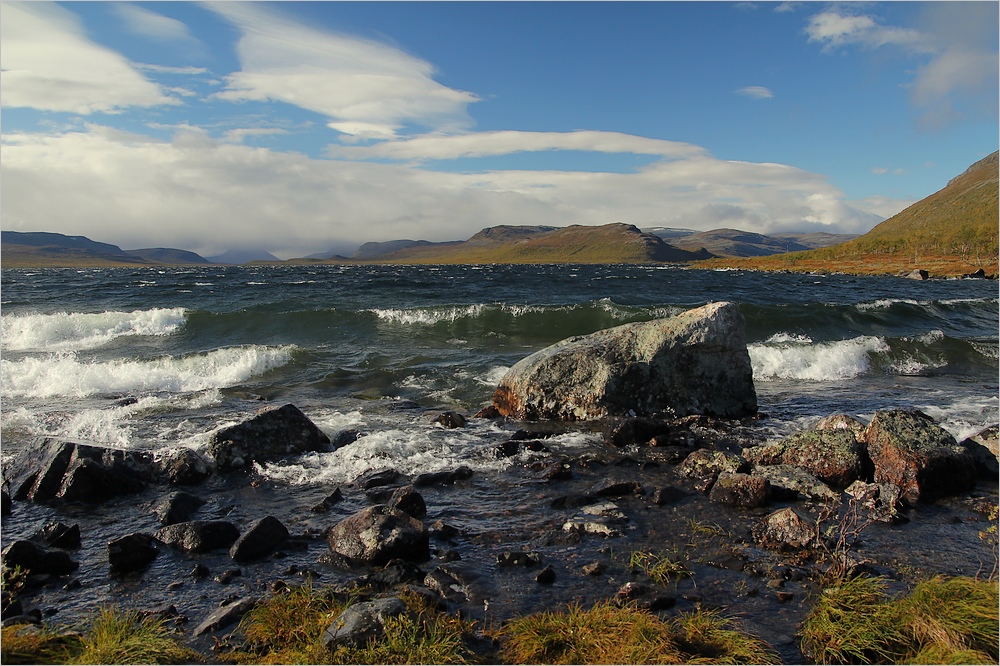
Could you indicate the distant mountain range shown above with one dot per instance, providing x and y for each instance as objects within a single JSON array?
[{"x": 950, "y": 231}]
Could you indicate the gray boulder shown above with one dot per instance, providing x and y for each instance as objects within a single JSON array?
[
  {"x": 259, "y": 540},
  {"x": 378, "y": 534},
  {"x": 740, "y": 490},
  {"x": 362, "y": 622},
  {"x": 270, "y": 434},
  {"x": 834, "y": 456},
  {"x": 694, "y": 363},
  {"x": 199, "y": 536},
  {"x": 785, "y": 529},
  {"x": 792, "y": 478},
  {"x": 50, "y": 469},
  {"x": 182, "y": 466},
  {"x": 911, "y": 451},
  {"x": 984, "y": 447},
  {"x": 226, "y": 615}
]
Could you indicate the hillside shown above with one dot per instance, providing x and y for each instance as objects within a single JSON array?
[
  {"x": 505, "y": 244},
  {"x": 949, "y": 233},
  {"x": 738, "y": 243},
  {"x": 48, "y": 250},
  {"x": 169, "y": 256}
]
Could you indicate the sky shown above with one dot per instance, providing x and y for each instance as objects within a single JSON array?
[{"x": 300, "y": 128}]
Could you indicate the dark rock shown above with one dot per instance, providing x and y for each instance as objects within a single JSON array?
[
  {"x": 6, "y": 504},
  {"x": 378, "y": 534},
  {"x": 507, "y": 449},
  {"x": 918, "y": 274},
  {"x": 176, "y": 507},
  {"x": 259, "y": 540},
  {"x": 629, "y": 592},
  {"x": 91, "y": 482},
  {"x": 488, "y": 412},
  {"x": 909, "y": 450},
  {"x": 199, "y": 536},
  {"x": 182, "y": 466},
  {"x": 131, "y": 552},
  {"x": 328, "y": 502},
  {"x": 667, "y": 495},
  {"x": 883, "y": 501},
  {"x": 670, "y": 455},
  {"x": 397, "y": 572},
  {"x": 199, "y": 571},
  {"x": 343, "y": 438},
  {"x": 362, "y": 622},
  {"x": 594, "y": 569},
  {"x": 41, "y": 482},
  {"x": 450, "y": 420},
  {"x": 573, "y": 501},
  {"x": 785, "y": 529},
  {"x": 557, "y": 470},
  {"x": 37, "y": 559},
  {"x": 546, "y": 576},
  {"x": 984, "y": 447},
  {"x": 518, "y": 558},
  {"x": 225, "y": 615},
  {"x": 741, "y": 490},
  {"x": 227, "y": 576},
  {"x": 457, "y": 582},
  {"x": 610, "y": 487},
  {"x": 58, "y": 535},
  {"x": 834, "y": 456},
  {"x": 630, "y": 431},
  {"x": 788, "y": 481},
  {"x": 409, "y": 501},
  {"x": 444, "y": 477},
  {"x": 272, "y": 433},
  {"x": 694, "y": 363},
  {"x": 447, "y": 554},
  {"x": 441, "y": 530},
  {"x": 377, "y": 479}
]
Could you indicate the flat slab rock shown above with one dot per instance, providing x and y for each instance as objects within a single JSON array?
[{"x": 694, "y": 363}]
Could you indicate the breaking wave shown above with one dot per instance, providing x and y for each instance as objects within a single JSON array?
[{"x": 79, "y": 330}]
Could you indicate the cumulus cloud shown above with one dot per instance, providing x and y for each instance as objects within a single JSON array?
[
  {"x": 756, "y": 92},
  {"x": 367, "y": 89},
  {"x": 49, "y": 64},
  {"x": 956, "y": 41},
  {"x": 205, "y": 195},
  {"x": 483, "y": 144}
]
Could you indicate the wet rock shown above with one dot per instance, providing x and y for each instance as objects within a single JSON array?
[
  {"x": 833, "y": 455},
  {"x": 273, "y": 432},
  {"x": 594, "y": 569},
  {"x": 883, "y": 501},
  {"x": 377, "y": 479},
  {"x": 704, "y": 463},
  {"x": 362, "y": 622},
  {"x": 37, "y": 559},
  {"x": 607, "y": 510},
  {"x": 328, "y": 502},
  {"x": 557, "y": 470},
  {"x": 444, "y": 477},
  {"x": 176, "y": 507},
  {"x": 585, "y": 527},
  {"x": 695, "y": 363},
  {"x": 182, "y": 466},
  {"x": 409, "y": 501},
  {"x": 447, "y": 554},
  {"x": 344, "y": 438},
  {"x": 378, "y": 534},
  {"x": 450, "y": 420},
  {"x": 518, "y": 558},
  {"x": 58, "y": 535},
  {"x": 6, "y": 504},
  {"x": 199, "y": 571},
  {"x": 199, "y": 536},
  {"x": 546, "y": 576},
  {"x": 611, "y": 487},
  {"x": 911, "y": 451},
  {"x": 785, "y": 529},
  {"x": 259, "y": 540},
  {"x": 397, "y": 572},
  {"x": 630, "y": 431},
  {"x": 984, "y": 447},
  {"x": 226, "y": 615},
  {"x": 795, "y": 480},
  {"x": 441, "y": 530},
  {"x": 667, "y": 495},
  {"x": 131, "y": 552},
  {"x": 457, "y": 582},
  {"x": 488, "y": 412},
  {"x": 629, "y": 592},
  {"x": 668, "y": 455},
  {"x": 841, "y": 421},
  {"x": 227, "y": 576},
  {"x": 741, "y": 490},
  {"x": 91, "y": 482}
]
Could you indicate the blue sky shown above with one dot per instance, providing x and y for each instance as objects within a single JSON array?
[{"x": 299, "y": 128}]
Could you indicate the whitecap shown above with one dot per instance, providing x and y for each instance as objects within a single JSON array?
[
  {"x": 824, "y": 361},
  {"x": 66, "y": 331}
]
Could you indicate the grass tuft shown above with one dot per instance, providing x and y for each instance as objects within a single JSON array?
[
  {"x": 709, "y": 638},
  {"x": 126, "y": 637},
  {"x": 29, "y": 644}
]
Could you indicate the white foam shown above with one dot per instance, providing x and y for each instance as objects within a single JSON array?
[
  {"x": 63, "y": 374},
  {"x": 426, "y": 316},
  {"x": 824, "y": 361},
  {"x": 64, "y": 331}
]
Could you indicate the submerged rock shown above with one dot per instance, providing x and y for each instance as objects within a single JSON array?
[
  {"x": 694, "y": 363},
  {"x": 911, "y": 451},
  {"x": 176, "y": 507},
  {"x": 271, "y": 433},
  {"x": 199, "y": 536}
]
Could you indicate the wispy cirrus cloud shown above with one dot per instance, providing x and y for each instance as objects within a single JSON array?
[
  {"x": 49, "y": 64},
  {"x": 756, "y": 92},
  {"x": 367, "y": 89},
  {"x": 151, "y": 25}
]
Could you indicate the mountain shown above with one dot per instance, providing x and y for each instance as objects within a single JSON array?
[
  {"x": 241, "y": 257},
  {"x": 376, "y": 249},
  {"x": 738, "y": 243},
  {"x": 42, "y": 249},
  {"x": 952, "y": 232},
  {"x": 507, "y": 244},
  {"x": 816, "y": 239},
  {"x": 169, "y": 256}
]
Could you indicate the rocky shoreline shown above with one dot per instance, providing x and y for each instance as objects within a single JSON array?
[{"x": 748, "y": 526}]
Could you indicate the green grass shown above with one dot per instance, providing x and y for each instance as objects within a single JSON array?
[
  {"x": 662, "y": 568},
  {"x": 940, "y": 621}
]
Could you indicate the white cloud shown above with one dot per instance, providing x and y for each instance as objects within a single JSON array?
[
  {"x": 166, "y": 69},
  {"x": 367, "y": 89},
  {"x": 833, "y": 29},
  {"x": 484, "y": 144},
  {"x": 197, "y": 193},
  {"x": 756, "y": 92},
  {"x": 49, "y": 64},
  {"x": 146, "y": 23}
]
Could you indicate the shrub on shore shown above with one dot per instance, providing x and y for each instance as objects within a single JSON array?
[{"x": 941, "y": 621}]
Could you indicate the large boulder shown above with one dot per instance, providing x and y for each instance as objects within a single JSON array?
[
  {"x": 362, "y": 622},
  {"x": 911, "y": 451},
  {"x": 270, "y": 434},
  {"x": 259, "y": 540},
  {"x": 378, "y": 534},
  {"x": 37, "y": 559},
  {"x": 199, "y": 536},
  {"x": 694, "y": 363},
  {"x": 131, "y": 552},
  {"x": 834, "y": 456}
]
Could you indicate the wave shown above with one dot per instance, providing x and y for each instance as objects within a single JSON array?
[
  {"x": 64, "y": 374},
  {"x": 825, "y": 361},
  {"x": 64, "y": 331}
]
